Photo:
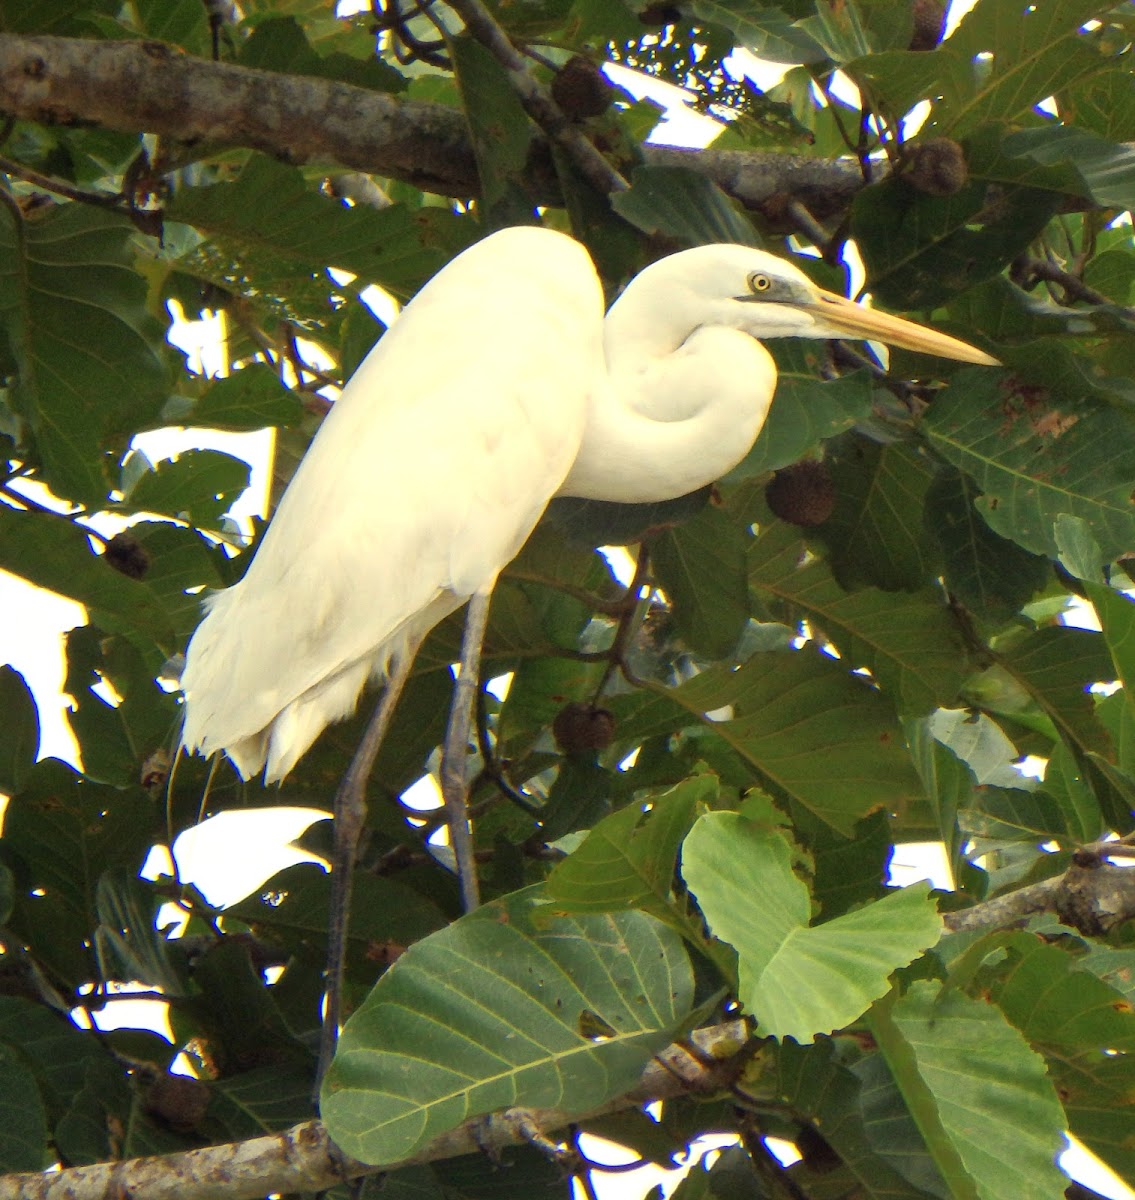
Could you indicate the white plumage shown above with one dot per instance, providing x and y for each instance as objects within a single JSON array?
[{"x": 500, "y": 386}]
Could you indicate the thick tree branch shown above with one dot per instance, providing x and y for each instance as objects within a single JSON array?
[
  {"x": 304, "y": 1159},
  {"x": 1092, "y": 896},
  {"x": 145, "y": 86}
]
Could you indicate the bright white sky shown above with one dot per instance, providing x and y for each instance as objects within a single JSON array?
[{"x": 232, "y": 854}]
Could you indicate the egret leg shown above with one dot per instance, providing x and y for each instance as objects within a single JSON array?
[
  {"x": 457, "y": 747},
  {"x": 350, "y": 810}
]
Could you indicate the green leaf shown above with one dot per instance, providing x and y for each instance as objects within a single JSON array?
[
  {"x": 55, "y": 554},
  {"x": 510, "y": 1005},
  {"x": 116, "y": 736},
  {"x": 244, "y": 1023},
  {"x": 499, "y": 128},
  {"x": 65, "y": 832},
  {"x": 805, "y": 413},
  {"x": 701, "y": 566},
  {"x": 19, "y": 731},
  {"x": 1036, "y": 455},
  {"x": 251, "y": 398},
  {"x": 282, "y": 231},
  {"x": 849, "y": 871},
  {"x": 1054, "y": 667},
  {"x": 182, "y": 23},
  {"x": 1104, "y": 104},
  {"x": 801, "y": 724},
  {"x": 1068, "y": 785},
  {"x": 1094, "y": 168},
  {"x": 129, "y": 944},
  {"x": 1116, "y": 613},
  {"x": 980, "y": 1096},
  {"x": 798, "y": 981},
  {"x": 768, "y": 31},
  {"x": 580, "y": 798},
  {"x": 683, "y": 205},
  {"x": 991, "y": 575},
  {"x": 281, "y": 44},
  {"x": 876, "y": 534},
  {"x": 1002, "y": 60},
  {"x": 55, "y": 1051},
  {"x": 23, "y": 1122},
  {"x": 261, "y": 1101},
  {"x": 292, "y": 906},
  {"x": 199, "y": 487},
  {"x": 854, "y": 1110},
  {"x": 1086, "y": 1032},
  {"x": 627, "y": 860},
  {"x": 182, "y": 563},
  {"x": 89, "y": 371},
  {"x": 909, "y": 641},
  {"x": 921, "y": 250}
]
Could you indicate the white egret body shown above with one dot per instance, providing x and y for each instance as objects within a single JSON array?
[{"x": 500, "y": 386}]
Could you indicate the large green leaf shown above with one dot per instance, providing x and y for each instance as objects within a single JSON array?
[
  {"x": 909, "y": 641},
  {"x": 507, "y": 1006},
  {"x": 251, "y": 398},
  {"x": 1065, "y": 159},
  {"x": 853, "y": 1109},
  {"x": 921, "y": 250},
  {"x": 23, "y": 1123},
  {"x": 1035, "y": 455},
  {"x": 55, "y": 554},
  {"x": 292, "y": 908},
  {"x": 1054, "y": 668},
  {"x": 283, "y": 232},
  {"x": 627, "y": 860},
  {"x": 701, "y": 567},
  {"x": 805, "y": 412},
  {"x": 1087, "y": 1033},
  {"x": 55, "y": 1051},
  {"x": 765, "y": 29},
  {"x": 1116, "y": 614},
  {"x": 798, "y": 980},
  {"x": 980, "y": 1096},
  {"x": 800, "y": 723},
  {"x": 73, "y": 312},
  {"x": 1003, "y": 59},
  {"x": 499, "y": 130},
  {"x": 64, "y": 832},
  {"x": 876, "y": 534},
  {"x": 199, "y": 486},
  {"x": 128, "y": 941},
  {"x": 116, "y": 737},
  {"x": 684, "y": 205},
  {"x": 991, "y": 575}
]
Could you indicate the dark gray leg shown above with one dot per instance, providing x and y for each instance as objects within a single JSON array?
[
  {"x": 457, "y": 748},
  {"x": 350, "y": 809}
]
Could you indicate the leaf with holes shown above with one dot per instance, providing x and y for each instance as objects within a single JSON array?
[
  {"x": 510, "y": 1005},
  {"x": 1036, "y": 455}
]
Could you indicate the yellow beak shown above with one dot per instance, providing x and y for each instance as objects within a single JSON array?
[{"x": 854, "y": 320}]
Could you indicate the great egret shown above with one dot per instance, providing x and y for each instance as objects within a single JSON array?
[{"x": 500, "y": 386}]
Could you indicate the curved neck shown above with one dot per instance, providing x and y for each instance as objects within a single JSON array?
[{"x": 670, "y": 418}]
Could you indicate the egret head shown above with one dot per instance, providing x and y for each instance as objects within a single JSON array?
[{"x": 766, "y": 297}]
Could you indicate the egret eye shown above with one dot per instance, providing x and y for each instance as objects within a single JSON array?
[{"x": 759, "y": 282}]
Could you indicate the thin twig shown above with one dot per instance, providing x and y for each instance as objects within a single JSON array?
[
  {"x": 616, "y": 654},
  {"x": 1030, "y": 271},
  {"x": 537, "y": 100}
]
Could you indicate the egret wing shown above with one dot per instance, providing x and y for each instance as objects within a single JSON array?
[{"x": 425, "y": 479}]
